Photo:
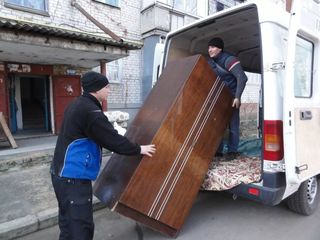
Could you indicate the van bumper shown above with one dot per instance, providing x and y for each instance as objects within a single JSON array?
[{"x": 271, "y": 193}]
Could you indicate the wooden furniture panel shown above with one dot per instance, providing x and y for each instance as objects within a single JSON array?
[{"x": 185, "y": 115}]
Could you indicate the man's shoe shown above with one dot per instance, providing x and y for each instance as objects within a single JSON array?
[{"x": 218, "y": 154}]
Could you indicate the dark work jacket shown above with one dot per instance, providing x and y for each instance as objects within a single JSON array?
[
  {"x": 85, "y": 129},
  {"x": 229, "y": 69}
]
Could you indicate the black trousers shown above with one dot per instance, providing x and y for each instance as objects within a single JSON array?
[{"x": 75, "y": 208}]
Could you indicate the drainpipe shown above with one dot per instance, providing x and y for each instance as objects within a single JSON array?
[
  {"x": 96, "y": 22},
  {"x": 103, "y": 71}
]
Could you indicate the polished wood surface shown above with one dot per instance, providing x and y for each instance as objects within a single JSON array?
[{"x": 185, "y": 115}]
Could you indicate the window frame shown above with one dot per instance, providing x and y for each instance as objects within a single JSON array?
[
  {"x": 105, "y": 2},
  {"x": 185, "y": 7},
  {"x": 116, "y": 66},
  {"x": 174, "y": 21},
  {"x": 44, "y": 12}
]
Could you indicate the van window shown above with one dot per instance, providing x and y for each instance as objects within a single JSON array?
[{"x": 303, "y": 68}]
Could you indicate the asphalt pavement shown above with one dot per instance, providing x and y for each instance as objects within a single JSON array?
[
  {"x": 29, "y": 209},
  {"x": 214, "y": 216}
]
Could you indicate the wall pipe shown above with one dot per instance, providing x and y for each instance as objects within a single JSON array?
[{"x": 96, "y": 22}]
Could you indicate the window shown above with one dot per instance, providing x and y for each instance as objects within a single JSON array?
[
  {"x": 163, "y": 1},
  {"x": 110, "y": 2},
  {"x": 177, "y": 21},
  {"x": 303, "y": 68},
  {"x": 37, "y": 6},
  {"x": 193, "y": 7},
  {"x": 114, "y": 71},
  {"x": 189, "y": 6},
  {"x": 219, "y": 7}
]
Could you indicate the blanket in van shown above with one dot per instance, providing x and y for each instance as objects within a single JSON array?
[{"x": 224, "y": 174}]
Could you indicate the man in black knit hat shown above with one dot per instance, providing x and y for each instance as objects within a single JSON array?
[
  {"x": 229, "y": 69},
  {"x": 77, "y": 157}
]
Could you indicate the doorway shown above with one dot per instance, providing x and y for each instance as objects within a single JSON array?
[{"x": 30, "y": 104}]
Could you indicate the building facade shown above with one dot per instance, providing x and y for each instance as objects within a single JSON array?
[
  {"x": 45, "y": 46},
  {"x": 158, "y": 17}
]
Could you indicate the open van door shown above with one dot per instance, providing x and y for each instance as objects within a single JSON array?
[
  {"x": 301, "y": 106},
  {"x": 158, "y": 58}
]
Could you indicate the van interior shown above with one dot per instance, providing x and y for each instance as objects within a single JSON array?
[{"x": 240, "y": 31}]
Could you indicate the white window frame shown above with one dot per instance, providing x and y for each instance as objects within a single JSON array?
[
  {"x": 176, "y": 22},
  {"x": 22, "y": 6},
  {"x": 113, "y": 3},
  {"x": 201, "y": 7},
  {"x": 184, "y": 7},
  {"x": 113, "y": 71}
]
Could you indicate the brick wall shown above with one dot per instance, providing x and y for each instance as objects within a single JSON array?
[
  {"x": 123, "y": 20},
  {"x": 128, "y": 91}
]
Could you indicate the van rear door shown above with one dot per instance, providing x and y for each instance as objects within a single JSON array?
[{"x": 301, "y": 103}]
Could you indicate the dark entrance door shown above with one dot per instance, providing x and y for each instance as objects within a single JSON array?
[{"x": 35, "y": 103}]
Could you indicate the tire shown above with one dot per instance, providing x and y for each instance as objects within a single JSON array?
[{"x": 306, "y": 200}]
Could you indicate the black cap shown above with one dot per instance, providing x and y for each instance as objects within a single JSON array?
[
  {"x": 93, "y": 81},
  {"x": 216, "y": 42}
]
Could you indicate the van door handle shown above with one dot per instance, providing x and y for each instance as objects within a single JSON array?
[{"x": 305, "y": 115}]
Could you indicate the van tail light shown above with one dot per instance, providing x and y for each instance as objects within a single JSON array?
[{"x": 273, "y": 140}]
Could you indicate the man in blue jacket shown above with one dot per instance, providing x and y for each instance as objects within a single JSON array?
[
  {"x": 229, "y": 69},
  {"x": 77, "y": 157}
]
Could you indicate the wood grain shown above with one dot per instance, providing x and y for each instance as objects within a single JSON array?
[{"x": 185, "y": 116}]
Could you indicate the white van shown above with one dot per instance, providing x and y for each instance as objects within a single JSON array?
[{"x": 284, "y": 50}]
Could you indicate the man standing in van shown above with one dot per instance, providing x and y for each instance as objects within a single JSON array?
[{"x": 229, "y": 69}]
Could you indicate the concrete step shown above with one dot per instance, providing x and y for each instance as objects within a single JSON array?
[
  {"x": 30, "y": 152},
  {"x": 27, "y": 201}
]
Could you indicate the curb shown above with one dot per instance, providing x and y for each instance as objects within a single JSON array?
[
  {"x": 35, "y": 222},
  {"x": 29, "y": 159},
  {"x": 25, "y": 160}
]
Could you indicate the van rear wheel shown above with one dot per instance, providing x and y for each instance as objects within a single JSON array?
[{"x": 306, "y": 199}]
